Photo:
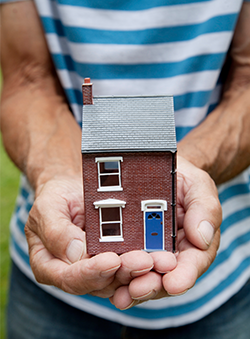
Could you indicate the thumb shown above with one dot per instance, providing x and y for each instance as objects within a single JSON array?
[
  {"x": 199, "y": 199},
  {"x": 52, "y": 219}
]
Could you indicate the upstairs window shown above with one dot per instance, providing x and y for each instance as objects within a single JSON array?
[{"x": 109, "y": 174}]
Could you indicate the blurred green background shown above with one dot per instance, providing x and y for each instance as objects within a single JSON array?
[{"x": 9, "y": 180}]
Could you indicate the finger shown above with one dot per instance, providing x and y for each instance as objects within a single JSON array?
[
  {"x": 199, "y": 199},
  {"x": 134, "y": 264},
  {"x": 122, "y": 299},
  {"x": 146, "y": 287},
  {"x": 141, "y": 289},
  {"x": 191, "y": 264},
  {"x": 82, "y": 277},
  {"x": 163, "y": 261},
  {"x": 108, "y": 291},
  {"x": 52, "y": 217}
]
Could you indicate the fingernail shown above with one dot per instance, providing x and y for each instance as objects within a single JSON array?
[
  {"x": 110, "y": 272},
  {"x": 177, "y": 294},
  {"x": 111, "y": 300},
  {"x": 134, "y": 302},
  {"x": 75, "y": 250},
  {"x": 150, "y": 294},
  {"x": 140, "y": 272},
  {"x": 206, "y": 231}
]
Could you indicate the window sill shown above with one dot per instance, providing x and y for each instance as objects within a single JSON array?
[
  {"x": 111, "y": 239},
  {"x": 110, "y": 189}
]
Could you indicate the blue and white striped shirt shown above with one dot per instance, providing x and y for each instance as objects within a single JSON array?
[{"x": 150, "y": 47}]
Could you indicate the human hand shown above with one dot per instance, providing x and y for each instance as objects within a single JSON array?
[
  {"x": 199, "y": 217},
  {"x": 56, "y": 238}
]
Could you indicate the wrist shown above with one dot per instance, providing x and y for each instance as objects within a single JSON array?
[
  {"x": 201, "y": 146},
  {"x": 58, "y": 174},
  {"x": 220, "y": 144},
  {"x": 66, "y": 176}
]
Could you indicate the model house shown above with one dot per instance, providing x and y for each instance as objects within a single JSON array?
[{"x": 129, "y": 172}]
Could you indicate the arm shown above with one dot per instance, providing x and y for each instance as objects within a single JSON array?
[
  {"x": 43, "y": 139},
  {"x": 36, "y": 122},
  {"x": 221, "y": 144},
  {"x": 38, "y": 130},
  {"x": 221, "y": 147}
]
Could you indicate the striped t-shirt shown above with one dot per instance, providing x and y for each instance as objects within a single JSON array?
[{"x": 150, "y": 47}]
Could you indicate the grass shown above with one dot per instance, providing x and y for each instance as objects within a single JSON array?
[{"x": 9, "y": 180}]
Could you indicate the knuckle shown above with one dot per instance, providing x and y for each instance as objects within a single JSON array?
[
  {"x": 206, "y": 178},
  {"x": 212, "y": 198},
  {"x": 36, "y": 270},
  {"x": 53, "y": 239},
  {"x": 38, "y": 277},
  {"x": 32, "y": 220},
  {"x": 27, "y": 230},
  {"x": 51, "y": 235},
  {"x": 104, "y": 293},
  {"x": 216, "y": 211}
]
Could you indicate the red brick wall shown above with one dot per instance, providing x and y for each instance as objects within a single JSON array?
[
  {"x": 144, "y": 176},
  {"x": 87, "y": 94}
]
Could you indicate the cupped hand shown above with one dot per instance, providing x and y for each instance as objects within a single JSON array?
[
  {"x": 199, "y": 216},
  {"x": 57, "y": 246},
  {"x": 56, "y": 240}
]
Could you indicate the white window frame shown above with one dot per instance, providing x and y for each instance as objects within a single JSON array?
[
  {"x": 109, "y": 188},
  {"x": 107, "y": 204}
]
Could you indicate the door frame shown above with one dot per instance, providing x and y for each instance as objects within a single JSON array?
[{"x": 153, "y": 206}]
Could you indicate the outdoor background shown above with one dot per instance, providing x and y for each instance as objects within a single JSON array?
[{"x": 9, "y": 179}]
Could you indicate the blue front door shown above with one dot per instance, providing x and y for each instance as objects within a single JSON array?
[{"x": 154, "y": 231}]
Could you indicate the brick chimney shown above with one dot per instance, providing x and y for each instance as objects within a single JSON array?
[{"x": 87, "y": 92}]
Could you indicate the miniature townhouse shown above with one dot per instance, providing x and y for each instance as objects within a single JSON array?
[{"x": 129, "y": 172}]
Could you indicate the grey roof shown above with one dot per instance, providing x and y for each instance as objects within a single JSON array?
[{"x": 129, "y": 123}]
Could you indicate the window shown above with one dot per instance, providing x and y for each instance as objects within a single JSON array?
[
  {"x": 110, "y": 214},
  {"x": 110, "y": 219},
  {"x": 109, "y": 174}
]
